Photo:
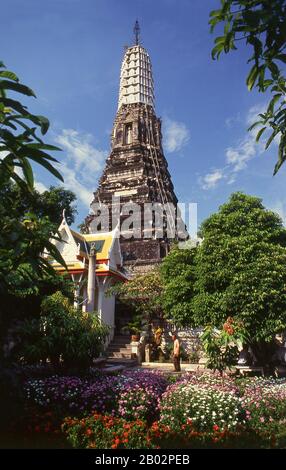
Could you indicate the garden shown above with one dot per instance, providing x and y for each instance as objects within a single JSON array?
[
  {"x": 232, "y": 285},
  {"x": 141, "y": 409}
]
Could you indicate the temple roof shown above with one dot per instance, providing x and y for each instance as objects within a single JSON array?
[
  {"x": 75, "y": 247},
  {"x": 136, "y": 79},
  {"x": 103, "y": 243}
]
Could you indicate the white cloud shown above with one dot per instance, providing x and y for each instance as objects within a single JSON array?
[
  {"x": 237, "y": 156},
  {"x": 253, "y": 112},
  {"x": 211, "y": 180},
  {"x": 82, "y": 164},
  {"x": 40, "y": 187},
  {"x": 82, "y": 191},
  {"x": 176, "y": 135},
  {"x": 280, "y": 208},
  {"x": 230, "y": 122}
]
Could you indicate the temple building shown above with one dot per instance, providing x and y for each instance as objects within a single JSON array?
[
  {"x": 136, "y": 170},
  {"x": 94, "y": 263}
]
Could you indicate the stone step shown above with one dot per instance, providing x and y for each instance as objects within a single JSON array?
[
  {"x": 118, "y": 347},
  {"x": 119, "y": 355}
]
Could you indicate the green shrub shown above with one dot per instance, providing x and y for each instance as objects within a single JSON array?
[
  {"x": 62, "y": 334},
  {"x": 203, "y": 408}
]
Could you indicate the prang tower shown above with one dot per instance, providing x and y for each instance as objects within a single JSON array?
[{"x": 136, "y": 169}]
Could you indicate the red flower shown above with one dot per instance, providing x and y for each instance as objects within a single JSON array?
[{"x": 216, "y": 427}]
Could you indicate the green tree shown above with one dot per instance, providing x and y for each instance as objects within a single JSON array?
[
  {"x": 178, "y": 277},
  {"x": 50, "y": 203},
  {"x": 141, "y": 295},
  {"x": 241, "y": 270},
  {"x": 22, "y": 239},
  {"x": 24, "y": 286},
  {"x": 260, "y": 24},
  {"x": 53, "y": 202},
  {"x": 29, "y": 221}
]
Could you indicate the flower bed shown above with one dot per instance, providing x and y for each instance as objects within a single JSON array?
[
  {"x": 133, "y": 394},
  {"x": 139, "y": 409},
  {"x": 106, "y": 432},
  {"x": 140, "y": 393},
  {"x": 264, "y": 401},
  {"x": 206, "y": 409}
]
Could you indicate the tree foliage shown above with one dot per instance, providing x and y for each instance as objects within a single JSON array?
[
  {"x": 241, "y": 268},
  {"x": 178, "y": 276},
  {"x": 261, "y": 24},
  {"x": 143, "y": 294},
  {"x": 50, "y": 203},
  {"x": 23, "y": 284},
  {"x": 29, "y": 220}
]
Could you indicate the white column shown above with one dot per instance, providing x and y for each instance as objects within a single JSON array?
[
  {"x": 91, "y": 283},
  {"x": 84, "y": 305},
  {"x": 100, "y": 299}
]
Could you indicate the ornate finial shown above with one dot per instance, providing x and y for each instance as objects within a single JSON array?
[
  {"x": 64, "y": 216},
  {"x": 136, "y": 31}
]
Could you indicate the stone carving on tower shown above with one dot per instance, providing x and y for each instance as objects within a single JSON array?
[{"x": 136, "y": 170}]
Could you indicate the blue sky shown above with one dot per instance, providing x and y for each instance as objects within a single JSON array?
[{"x": 70, "y": 53}]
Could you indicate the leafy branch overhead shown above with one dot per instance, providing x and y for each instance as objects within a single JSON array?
[
  {"x": 19, "y": 143},
  {"x": 261, "y": 24},
  {"x": 25, "y": 236}
]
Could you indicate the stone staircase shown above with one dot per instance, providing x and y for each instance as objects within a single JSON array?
[
  {"x": 119, "y": 353},
  {"x": 119, "y": 348}
]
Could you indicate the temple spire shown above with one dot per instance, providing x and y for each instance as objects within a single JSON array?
[
  {"x": 136, "y": 31},
  {"x": 136, "y": 78}
]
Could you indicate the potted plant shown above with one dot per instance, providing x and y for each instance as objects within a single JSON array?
[{"x": 134, "y": 327}]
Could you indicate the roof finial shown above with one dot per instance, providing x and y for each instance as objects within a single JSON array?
[
  {"x": 136, "y": 31},
  {"x": 64, "y": 216}
]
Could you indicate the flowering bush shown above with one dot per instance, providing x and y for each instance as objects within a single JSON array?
[
  {"x": 137, "y": 403},
  {"x": 100, "y": 395},
  {"x": 74, "y": 395},
  {"x": 63, "y": 393},
  {"x": 188, "y": 437},
  {"x": 221, "y": 346},
  {"x": 203, "y": 408},
  {"x": 264, "y": 400},
  {"x": 140, "y": 392},
  {"x": 153, "y": 380},
  {"x": 133, "y": 394},
  {"x": 213, "y": 380},
  {"x": 109, "y": 432},
  {"x": 204, "y": 403},
  {"x": 106, "y": 432}
]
